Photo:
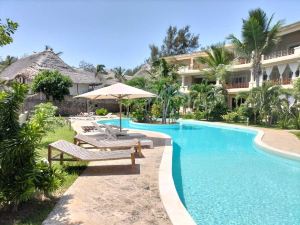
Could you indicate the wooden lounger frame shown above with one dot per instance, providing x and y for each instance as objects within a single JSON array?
[
  {"x": 80, "y": 154},
  {"x": 83, "y": 139}
]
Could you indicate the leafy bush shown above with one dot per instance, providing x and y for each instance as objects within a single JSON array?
[
  {"x": 52, "y": 83},
  {"x": 156, "y": 111},
  {"x": 231, "y": 117},
  {"x": 188, "y": 116},
  {"x": 200, "y": 115},
  {"x": 246, "y": 112},
  {"x": 101, "y": 112},
  {"x": 139, "y": 113},
  {"x": 218, "y": 110},
  {"x": 20, "y": 173},
  {"x": 47, "y": 179}
]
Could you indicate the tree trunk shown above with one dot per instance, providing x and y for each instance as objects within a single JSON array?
[
  {"x": 256, "y": 67},
  {"x": 163, "y": 121}
]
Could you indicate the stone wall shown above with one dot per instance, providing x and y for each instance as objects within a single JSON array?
[{"x": 70, "y": 105}]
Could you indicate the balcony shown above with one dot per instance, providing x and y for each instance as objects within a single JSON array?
[
  {"x": 237, "y": 85},
  {"x": 280, "y": 82},
  {"x": 280, "y": 53}
]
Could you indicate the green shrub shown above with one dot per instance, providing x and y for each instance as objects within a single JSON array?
[
  {"x": 52, "y": 83},
  {"x": 156, "y": 111},
  {"x": 139, "y": 112},
  {"x": 218, "y": 110},
  {"x": 231, "y": 117},
  {"x": 20, "y": 173},
  {"x": 188, "y": 116},
  {"x": 200, "y": 115},
  {"x": 101, "y": 112},
  {"x": 245, "y": 112}
]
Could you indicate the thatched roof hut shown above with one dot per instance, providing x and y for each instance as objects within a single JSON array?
[{"x": 26, "y": 68}]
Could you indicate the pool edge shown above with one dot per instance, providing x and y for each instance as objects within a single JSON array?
[
  {"x": 176, "y": 211},
  {"x": 257, "y": 140}
]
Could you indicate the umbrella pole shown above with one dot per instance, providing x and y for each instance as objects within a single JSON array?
[{"x": 120, "y": 104}]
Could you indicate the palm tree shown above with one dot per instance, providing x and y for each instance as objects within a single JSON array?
[
  {"x": 165, "y": 85},
  {"x": 264, "y": 101},
  {"x": 100, "y": 68},
  {"x": 7, "y": 62},
  {"x": 206, "y": 97},
  {"x": 218, "y": 60},
  {"x": 119, "y": 73},
  {"x": 99, "y": 71},
  {"x": 258, "y": 38}
]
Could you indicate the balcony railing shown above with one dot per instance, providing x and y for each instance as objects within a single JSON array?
[
  {"x": 280, "y": 53},
  {"x": 280, "y": 82},
  {"x": 237, "y": 85}
]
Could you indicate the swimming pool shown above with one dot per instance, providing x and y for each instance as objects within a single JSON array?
[{"x": 223, "y": 178}]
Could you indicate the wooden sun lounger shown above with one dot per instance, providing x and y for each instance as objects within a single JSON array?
[
  {"x": 80, "y": 154},
  {"x": 111, "y": 144}
]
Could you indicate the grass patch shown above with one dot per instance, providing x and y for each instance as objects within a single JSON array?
[
  {"x": 297, "y": 133},
  {"x": 36, "y": 210}
]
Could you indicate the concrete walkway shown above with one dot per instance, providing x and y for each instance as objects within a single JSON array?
[
  {"x": 111, "y": 192},
  {"x": 281, "y": 139}
]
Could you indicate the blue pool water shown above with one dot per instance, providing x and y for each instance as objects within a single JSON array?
[{"x": 223, "y": 178}]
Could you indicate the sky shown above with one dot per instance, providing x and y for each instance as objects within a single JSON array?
[{"x": 118, "y": 32}]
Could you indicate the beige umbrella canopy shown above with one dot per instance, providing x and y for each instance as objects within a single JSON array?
[{"x": 117, "y": 91}]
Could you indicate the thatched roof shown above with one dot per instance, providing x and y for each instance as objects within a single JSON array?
[
  {"x": 144, "y": 71},
  {"x": 29, "y": 66}
]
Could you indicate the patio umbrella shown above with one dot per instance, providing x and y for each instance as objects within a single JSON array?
[{"x": 117, "y": 91}]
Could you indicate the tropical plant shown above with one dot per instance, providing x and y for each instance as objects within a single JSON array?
[
  {"x": 100, "y": 69},
  {"x": 101, "y": 112},
  {"x": 264, "y": 102},
  {"x": 139, "y": 112},
  {"x": 7, "y": 29},
  {"x": 218, "y": 60},
  {"x": 231, "y": 117},
  {"x": 165, "y": 85},
  {"x": 7, "y": 62},
  {"x": 22, "y": 172},
  {"x": 127, "y": 103},
  {"x": 119, "y": 74},
  {"x": 52, "y": 83},
  {"x": 156, "y": 111},
  {"x": 209, "y": 99},
  {"x": 138, "y": 82},
  {"x": 293, "y": 98},
  {"x": 259, "y": 37}
]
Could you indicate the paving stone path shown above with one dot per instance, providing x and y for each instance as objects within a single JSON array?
[{"x": 112, "y": 192}]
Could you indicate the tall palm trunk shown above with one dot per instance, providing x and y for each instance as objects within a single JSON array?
[{"x": 256, "y": 67}]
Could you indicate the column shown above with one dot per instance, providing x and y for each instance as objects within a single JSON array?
[
  {"x": 182, "y": 81},
  {"x": 261, "y": 77},
  {"x": 192, "y": 63},
  {"x": 281, "y": 69},
  {"x": 251, "y": 83},
  {"x": 294, "y": 67}
]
